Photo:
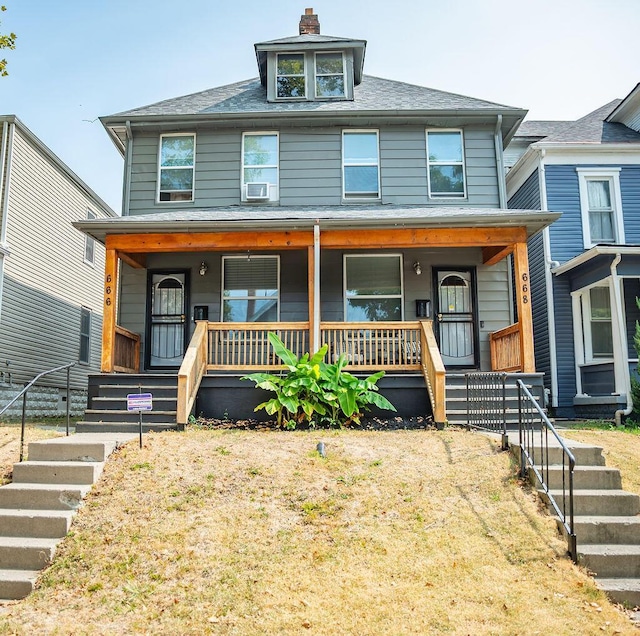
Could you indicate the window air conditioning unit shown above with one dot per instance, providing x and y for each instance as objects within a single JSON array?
[{"x": 257, "y": 191}]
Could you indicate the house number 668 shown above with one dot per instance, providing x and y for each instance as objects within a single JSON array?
[{"x": 525, "y": 288}]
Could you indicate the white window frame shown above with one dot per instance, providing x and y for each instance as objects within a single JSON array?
[
  {"x": 161, "y": 167},
  {"x": 354, "y": 196},
  {"x": 85, "y": 311},
  {"x": 247, "y": 258},
  {"x": 345, "y": 258},
  {"x": 601, "y": 174},
  {"x": 90, "y": 242},
  {"x": 316, "y": 75},
  {"x": 582, "y": 327},
  {"x": 444, "y": 195},
  {"x": 303, "y": 75},
  {"x": 274, "y": 189}
]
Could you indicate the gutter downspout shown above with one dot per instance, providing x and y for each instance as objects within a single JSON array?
[
  {"x": 626, "y": 375},
  {"x": 549, "y": 265},
  {"x": 126, "y": 189},
  {"x": 5, "y": 166}
]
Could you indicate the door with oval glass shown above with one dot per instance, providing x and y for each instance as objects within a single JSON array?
[
  {"x": 455, "y": 316},
  {"x": 167, "y": 324}
]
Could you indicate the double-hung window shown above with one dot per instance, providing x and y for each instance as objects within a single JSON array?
[
  {"x": 290, "y": 76},
  {"x": 260, "y": 166},
  {"x": 89, "y": 242},
  {"x": 329, "y": 75},
  {"x": 601, "y": 206},
  {"x": 176, "y": 165},
  {"x": 250, "y": 288},
  {"x": 360, "y": 164},
  {"x": 445, "y": 164},
  {"x": 372, "y": 287},
  {"x": 596, "y": 324},
  {"x": 84, "y": 357}
]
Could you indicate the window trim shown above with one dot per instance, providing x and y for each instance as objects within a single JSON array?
[
  {"x": 463, "y": 162},
  {"x": 273, "y": 196},
  {"x": 87, "y": 335},
  {"x": 315, "y": 77},
  {"x": 401, "y": 296},
  {"x": 304, "y": 76},
  {"x": 601, "y": 174},
  {"x": 582, "y": 323},
  {"x": 247, "y": 258},
  {"x": 361, "y": 196},
  {"x": 90, "y": 241},
  {"x": 160, "y": 168}
]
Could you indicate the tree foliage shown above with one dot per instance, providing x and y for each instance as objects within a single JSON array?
[{"x": 7, "y": 41}]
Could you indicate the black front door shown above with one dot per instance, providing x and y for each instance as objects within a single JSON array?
[
  {"x": 166, "y": 319},
  {"x": 455, "y": 316}
]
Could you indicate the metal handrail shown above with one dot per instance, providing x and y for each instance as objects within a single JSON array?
[
  {"x": 23, "y": 394},
  {"x": 487, "y": 403},
  {"x": 540, "y": 466}
]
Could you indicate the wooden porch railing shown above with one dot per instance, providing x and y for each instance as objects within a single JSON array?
[
  {"x": 433, "y": 370},
  {"x": 506, "y": 349},
  {"x": 126, "y": 351},
  {"x": 373, "y": 346},
  {"x": 245, "y": 346},
  {"x": 191, "y": 371}
]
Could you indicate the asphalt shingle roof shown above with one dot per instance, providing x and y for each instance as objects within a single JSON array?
[
  {"x": 373, "y": 94},
  {"x": 540, "y": 127},
  {"x": 307, "y": 38}
]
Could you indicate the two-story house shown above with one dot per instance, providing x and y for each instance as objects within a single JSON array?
[
  {"x": 50, "y": 275},
  {"x": 585, "y": 268},
  {"x": 324, "y": 204}
]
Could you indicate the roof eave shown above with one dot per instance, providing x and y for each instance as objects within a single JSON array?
[
  {"x": 629, "y": 103},
  {"x": 597, "y": 250}
]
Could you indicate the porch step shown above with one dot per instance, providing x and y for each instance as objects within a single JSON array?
[
  {"x": 36, "y": 511},
  {"x": 165, "y": 403},
  {"x": 118, "y": 415},
  {"x": 127, "y": 427},
  {"x": 122, "y": 390}
]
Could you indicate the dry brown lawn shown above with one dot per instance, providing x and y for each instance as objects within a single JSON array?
[{"x": 247, "y": 532}]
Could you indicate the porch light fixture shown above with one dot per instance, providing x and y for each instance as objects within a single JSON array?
[
  {"x": 203, "y": 268},
  {"x": 417, "y": 268}
]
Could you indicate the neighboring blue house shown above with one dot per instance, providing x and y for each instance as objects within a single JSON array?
[{"x": 585, "y": 268}]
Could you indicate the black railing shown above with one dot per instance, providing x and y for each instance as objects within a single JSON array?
[
  {"x": 487, "y": 403},
  {"x": 23, "y": 395},
  {"x": 539, "y": 446}
]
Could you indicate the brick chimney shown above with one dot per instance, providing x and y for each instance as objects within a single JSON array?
[{"x": 309, "y": 23}]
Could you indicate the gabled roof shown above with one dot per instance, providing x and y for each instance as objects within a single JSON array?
[
  {"x": 540, "y": 128},
  {"x": 307, "y": 38},
  {"x": 594, "y": 128},
  {"x": 628, "y": 108},
  {"x": 373, "y": 95}
]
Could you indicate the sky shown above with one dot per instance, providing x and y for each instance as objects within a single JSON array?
[{"x": 77, "y": 60}]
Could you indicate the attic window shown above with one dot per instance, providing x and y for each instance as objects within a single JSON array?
[
  {"x": 329, "y": 75},
  {"x": 290, "y": 80}
]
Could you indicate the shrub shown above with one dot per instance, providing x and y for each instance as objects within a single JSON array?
[{"x": 315, "y": 392}]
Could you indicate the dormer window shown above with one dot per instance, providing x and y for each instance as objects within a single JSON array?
[
  {"x": 330, "y": 75},
  {"x": 290, "y": 79}
]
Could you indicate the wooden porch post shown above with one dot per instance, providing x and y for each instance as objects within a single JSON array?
[
  {"x": 109, "y": 310},
  {"x": 311, "y": 275},
  {"x": 523, "y": 298}
]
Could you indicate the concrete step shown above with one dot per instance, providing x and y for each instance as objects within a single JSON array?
[
  {"x": 599, "y": 502},
  {"x": 624, "y": 591},
  {"x": 22, "y": 553},
  {"x": 585, "y": 454},
  {"x": 584, "y": 477},
  {"x": 611, "y": 561},
  {"x": 16, "y": 584},
  {"x": 42, "y": 496},
  {"x": 41, "y": 472},
  {"x": 122, "y": 415},
  {"x": 35, "y": 523},
  {"x": 128, "y": 428},
  {"x": 592, "y": 529},
  {"x": 77, "y": 448}
]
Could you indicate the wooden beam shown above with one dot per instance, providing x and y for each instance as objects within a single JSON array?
[
  {"x": 199, "y": 241},
  {"x": 420, "y": 237},
  {"x": 137, "y": 261},
  {"x": 493, "y": 255},
  {"x": 523, "y": 299},
  {"x": 109, "y": 310},
  {"x": 311, "y": 275}
]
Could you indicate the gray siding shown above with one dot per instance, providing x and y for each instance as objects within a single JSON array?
[
  {"x": 46, "y": 280},
  {"x": 311, "y": 168}
]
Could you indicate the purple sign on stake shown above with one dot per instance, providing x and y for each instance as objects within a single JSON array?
[{"x": 139, "y": 402}]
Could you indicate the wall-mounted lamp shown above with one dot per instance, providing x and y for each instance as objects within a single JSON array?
[
  {"x": 417, "y": 268},
  {"x": 203, "y": 268}
]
